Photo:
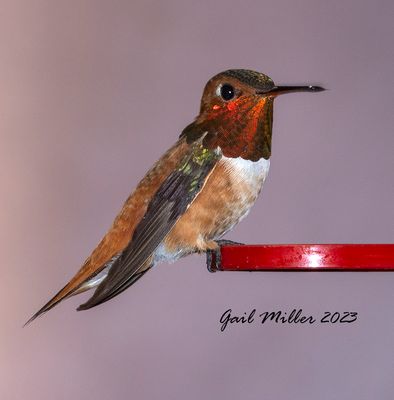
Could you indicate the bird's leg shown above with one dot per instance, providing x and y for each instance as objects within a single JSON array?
[{"x": 213, "y": 252}]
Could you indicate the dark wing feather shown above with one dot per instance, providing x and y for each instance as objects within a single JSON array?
[{"x": 168, "y": 204}]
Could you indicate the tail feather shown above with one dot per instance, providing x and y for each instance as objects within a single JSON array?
[
  {"x": 84, "y": 280},
  {"x": 77, "y": 285},
  {"x": 60, "y": 296}
]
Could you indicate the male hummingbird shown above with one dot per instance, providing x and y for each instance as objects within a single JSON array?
[{"x": 194, "y": 194}]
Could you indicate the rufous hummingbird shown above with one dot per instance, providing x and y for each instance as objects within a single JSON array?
[{"x": 194, "y": 194}]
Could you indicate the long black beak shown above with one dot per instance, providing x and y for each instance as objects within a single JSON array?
[{"x": 277, "y": 90}]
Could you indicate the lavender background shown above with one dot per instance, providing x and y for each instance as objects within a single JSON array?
[{"x": 91, "y": 94}]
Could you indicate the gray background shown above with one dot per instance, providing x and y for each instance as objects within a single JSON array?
[{"x": 91, "y": 94}]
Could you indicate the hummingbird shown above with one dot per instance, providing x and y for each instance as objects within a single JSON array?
[{"x": 194, "y": 194}]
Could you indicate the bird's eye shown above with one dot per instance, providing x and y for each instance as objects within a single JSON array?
[{"x": 226, "y": 92}]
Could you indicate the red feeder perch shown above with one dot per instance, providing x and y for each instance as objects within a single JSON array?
[{"x": 303, "y": 257}]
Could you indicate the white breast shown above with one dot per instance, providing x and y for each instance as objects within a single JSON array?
[
  {"x": 251, "y": 173},
  {"x": 247, "y": 178}
]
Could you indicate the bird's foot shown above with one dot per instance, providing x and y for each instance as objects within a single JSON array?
[{"x": 213, "y": 255}]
